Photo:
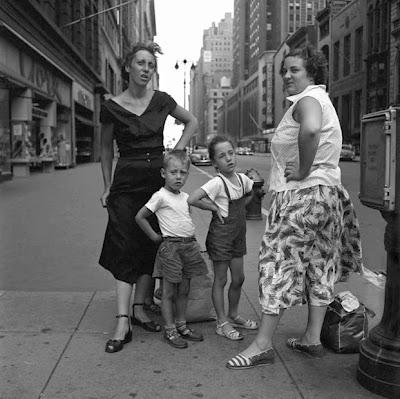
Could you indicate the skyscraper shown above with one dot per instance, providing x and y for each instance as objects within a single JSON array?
[{"x": 212, "y": 78}]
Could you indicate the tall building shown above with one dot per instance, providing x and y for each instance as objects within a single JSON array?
[
  {"x": 217, "y": 50},
  {"x": 211, "y": 80},
  {"x": 394, "y": 95},
  {"x": 256, "y": 29},
  {"x": 259, "y": 29},
  {"x": 348, "y": 69},
  {"x": 298, "y": 13},
  {"x": 240, "y": 41},
  {"x": 378, "y": 40},
  {"x": 264, "y": 29}
]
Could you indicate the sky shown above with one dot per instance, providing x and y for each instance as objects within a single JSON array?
[{"x": 180, "y": 25}]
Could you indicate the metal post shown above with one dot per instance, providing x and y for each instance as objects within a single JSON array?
[
  {"x": 379, "y": 361},
  {"x": 184, "y": 87}
]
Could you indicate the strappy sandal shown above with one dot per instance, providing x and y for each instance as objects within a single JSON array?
[
  {"x": 240, "y": 362},
  {"x": 241, "y": 322},
  {"x": 226, "y": 330},
  {"x": 315, "y": 351},
  {"x": 115, "y": 345},
  {"x": 151, "y": 325},
  {"x": 158, "y": 293}
]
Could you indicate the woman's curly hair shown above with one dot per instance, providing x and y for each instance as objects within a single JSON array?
[
  {"x": 151, "y": 47},
  {"x": 315, "y": 63}
]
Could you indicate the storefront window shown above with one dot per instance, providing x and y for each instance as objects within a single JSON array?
[{"x": 5, "y": 131}]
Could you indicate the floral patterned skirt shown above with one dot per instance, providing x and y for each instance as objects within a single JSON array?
[{"x": 311, "y": 240}]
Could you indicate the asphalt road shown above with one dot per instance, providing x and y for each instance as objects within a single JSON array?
[{"x": 52, "y": 227}]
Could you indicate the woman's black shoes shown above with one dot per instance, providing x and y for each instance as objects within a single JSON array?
[
  {"x": 146, "y": 325},
  {"x": 115, "y": 345}
]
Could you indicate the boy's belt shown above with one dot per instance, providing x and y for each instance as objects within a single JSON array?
[{"x": 179, "y": 239}]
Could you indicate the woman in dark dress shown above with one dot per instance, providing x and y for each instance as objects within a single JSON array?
[{"x": 135, "y": 119}]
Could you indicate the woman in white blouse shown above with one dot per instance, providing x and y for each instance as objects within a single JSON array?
[{"x": 312, "y": 235}]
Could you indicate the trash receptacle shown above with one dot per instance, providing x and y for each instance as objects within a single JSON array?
[{"x": 253, "y": 208}]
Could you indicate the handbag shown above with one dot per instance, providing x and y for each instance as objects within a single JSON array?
[
  {"x": 345, "y": 323},
  {"x": 200, "y": 306}
]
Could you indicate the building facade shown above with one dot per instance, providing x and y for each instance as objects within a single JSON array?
[
  {"x": 211, "y": 80},
  {"x": 394, "y": 79},
  {"x": 260, "y": 28},
  {"x": 348, "y": 69},
  {"x": 57, "y": 60},
  {"x": 378, "y": 41},
  {"x": 240, "y": 41}
]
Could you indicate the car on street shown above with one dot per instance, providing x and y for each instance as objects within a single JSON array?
[
  {"x": 199, "y": 156},
  {"x": 247, "y": 151},
  {"x": 347, "y": 152},
  {"x": 239, "y": 151},
  {"x": 84, "y": 149}
]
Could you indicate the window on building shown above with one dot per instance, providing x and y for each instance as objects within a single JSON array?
[
  {"x": 345, "y": 120},
  {"x": 357, "y": 109},
  {"x": 385, "y": 26},
  {"x": 335, "y": 103},
  {"x": 346, "y": 55},
  {"x": 370, "y": 28},
  {"x": 397, "y": 76},
  {"x": 110, "y": 78},
  {"x": 377, "y": 27},
  {"x": 358, "y": 45},
  {"x": 324, "y": 30},
  {"x": 336, "y": 59}
]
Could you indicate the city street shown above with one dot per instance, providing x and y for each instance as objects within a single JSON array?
[
  {"x": 83, "y": 80},
  {"x": 57, "y": 308}
]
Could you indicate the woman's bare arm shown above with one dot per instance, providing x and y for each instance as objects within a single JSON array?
[{"x": 191, "y": 125}]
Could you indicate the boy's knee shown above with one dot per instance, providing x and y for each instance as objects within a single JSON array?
[
  {"x": 168, "y": 292},
  {"x": 220, "y": 280},
  {"x": 237, "y": 281}
]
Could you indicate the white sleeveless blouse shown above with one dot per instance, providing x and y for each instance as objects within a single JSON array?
[{"x": 284, "y": 145}]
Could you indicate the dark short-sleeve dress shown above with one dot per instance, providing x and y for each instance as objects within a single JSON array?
[{"x": 127, "y": 252}]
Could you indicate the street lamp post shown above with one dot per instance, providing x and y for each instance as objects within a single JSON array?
[{"x": 184, "y": 62}]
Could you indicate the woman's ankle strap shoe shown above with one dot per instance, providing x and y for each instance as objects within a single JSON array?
[{"x": 115, "y": 345}]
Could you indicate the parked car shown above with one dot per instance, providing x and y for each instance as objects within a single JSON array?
[
  {"x": 239, "y": 150},
  {"x": 247, "y": 151},
  {"x": 347, "y": 152},
  {"x": 244, "y": 151},
  {"x": 83, "y": 149},
  {"x": 199, "y": 156}
]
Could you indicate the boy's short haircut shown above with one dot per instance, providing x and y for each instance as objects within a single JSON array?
[
  {"x": 217, "y": 140},
  {"x": 180, "y": 155}
]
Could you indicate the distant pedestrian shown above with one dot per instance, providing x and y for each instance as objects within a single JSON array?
[
  {"x": 135, "y": 119},
  {"x": 226, "y": 195},
  {"x": 61, "y": 151},
  {"x": 178, "y": 257},
  {"x": 312, "y": 235}
]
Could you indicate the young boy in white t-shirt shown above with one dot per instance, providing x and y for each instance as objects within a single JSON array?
[{"x": 178, "y": 257}]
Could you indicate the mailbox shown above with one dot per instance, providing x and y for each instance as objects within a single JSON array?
[{"x": 378, "y": 158}]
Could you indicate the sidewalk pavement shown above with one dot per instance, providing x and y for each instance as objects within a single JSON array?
[{"x": 53, "y": 341}]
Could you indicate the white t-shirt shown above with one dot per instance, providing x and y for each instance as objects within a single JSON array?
[
  {"x": 284, "y": 145},
  {"x": 215, "y": 189},
  {"x": 172, "y": 211}
]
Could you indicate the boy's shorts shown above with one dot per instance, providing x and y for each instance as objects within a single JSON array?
[{"x": 178, "y": 258}]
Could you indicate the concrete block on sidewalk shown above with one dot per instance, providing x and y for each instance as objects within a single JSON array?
[
  {"x": 150, "y": 368},
  {"x": 27, "y": 359},
  {"x": 42, "y": 311}
]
